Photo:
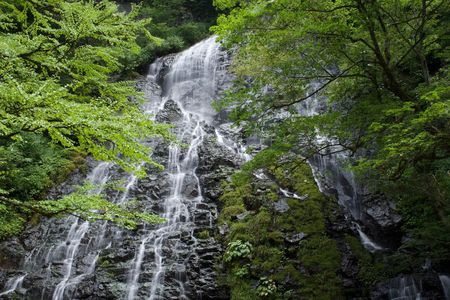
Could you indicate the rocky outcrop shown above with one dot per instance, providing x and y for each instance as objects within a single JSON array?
[
  {"x": 409, "y": 286},
  {"x": 69, "y": 258}
]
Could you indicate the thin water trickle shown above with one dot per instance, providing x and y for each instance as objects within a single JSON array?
[
  {"x": 404, "y": 288},
  {"x": 445, "y": 281},
  {"x": 238, "y": 149},
  {"x": 12, "y": 284},
  {"x": 368, "y": 243},
  {"x": 68, "y": 249},
  {"x": 289, "y": 194}
]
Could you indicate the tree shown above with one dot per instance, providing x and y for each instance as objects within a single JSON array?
[
  {"x": 56, "y": 67},
  {"x": 383, "y": 68},
  {"x": 58, "y": 60},
  {"x": 370, "y": 58}
]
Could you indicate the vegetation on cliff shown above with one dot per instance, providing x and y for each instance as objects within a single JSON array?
[
  {"x": 180, "y": 23},
  {"x": 383, "y": 67},
  {"x": 287, "y": 253}
]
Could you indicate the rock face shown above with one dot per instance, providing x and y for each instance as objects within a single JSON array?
[
  {"x": 375, "y": 214},
  {"x": 73, "y": 259},
  {"x": 416, "y": 286}
]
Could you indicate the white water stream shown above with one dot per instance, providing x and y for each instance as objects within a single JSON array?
[
  {"x": 329, "y": 171},
  {"x": 445, "y": 281},
  {"x": 404, "y": 288},
  {"x": 67, "y": 250},
  {"x": 12, "y": 284},
  {"x": 191, "y": 85}
]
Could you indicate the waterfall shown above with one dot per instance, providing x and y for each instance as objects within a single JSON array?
[
  {"x": 70, "y": 258},
  {"x": 366, "y": 241},
  {"x": 342, "y": 182},
  {"x": 331, "y": 175},
  {"x": 190, "y": 86},
  {"x": 67, "y": 250},
  {"x": 404, "y": 288},
  {"x": 12, "y": 284},
  {"x": 445, "y": 281},
  {"x": 238, "y": 149}
]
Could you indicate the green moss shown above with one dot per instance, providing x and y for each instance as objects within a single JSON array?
[
  {"x": 324, "y": 285},
  {"x": 298, "y": 177},
  {"x": 234, "y": 194},
  {"x": 288, "y": 271},
  {"x": 242, "y": 290},
  {"x": 104, "y": 262},
  {"x": 304, "y": 216},
  {"x": 267, "y": 258},
  {"x": 229, "y": 212},
  {"x": 319, "y": 253},
  {"x": 11, "y": 222},
  {"x": 309, "y": 266},
  {"x": 370, "y": 271},
  {"x": 203, "y": 235}
]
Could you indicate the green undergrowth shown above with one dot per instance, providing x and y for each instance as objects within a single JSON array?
[
  {"x": 29, "y": 167},
  {"x": 374, "y": 268},
  {"x": 261, "y": 261},
  {"x": 178, "y": 23}
]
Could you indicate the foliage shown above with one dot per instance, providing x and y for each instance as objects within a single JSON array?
[
  {"x": 358, "y": 53},
  {"x": 278, "y": 269},
  {"x": 87, "y": 206},
  {"x": 370, "y": 271},
  {"x": 180, "y": 23},
  {"x": 31, "y": 165},
  {"x": 58, "y": 100},
  {"x": 237, "y": 250},
  {"x": 266, "y": 287},
  {"x": 57, "y": 60},
  {"x": 204, "y": 234},
  {"x": 11, "y": 222},
  {"x": 370, "y": 78}
]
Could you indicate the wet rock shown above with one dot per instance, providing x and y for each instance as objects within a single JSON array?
[
  {"x": 421, "y": 285},
  {"x": 281, "y": 206},
  {"x": 295, "y": 238},
  {"x": 171, "y": 113},
  {"x": 242, "y": 216},
  {"x": 381, "y": 221},
  {"x": 11, "y": 254},
  {"x": 190, "y": 186},
  {"x": 224, "y": 229}
]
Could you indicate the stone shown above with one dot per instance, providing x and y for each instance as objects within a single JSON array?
[
  {"x": 171, "y": 113},
  {"x": 281, "y": 206},
  {"x": 295, "y": 238},
  {"x": 243, "y": 215}
]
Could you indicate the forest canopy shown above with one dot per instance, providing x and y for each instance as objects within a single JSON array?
[
  {"x": 382, "y": 67},
  {"x": 58, "y": 98}
]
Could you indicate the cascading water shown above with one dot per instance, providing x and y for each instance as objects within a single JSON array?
[
  {"x": 189, "y": 87},
  {"x": 342, "y": 181},
  {"x": 404, "y": 288},
  {"x": 73, "y": 259},
  {"x": 68, "y": 249},
  {"x": 12, "y": 284},
  {"x": 445, "y": 282},
  {"x": 332, "y": 177},
  {"x": 61, "y": 256}
]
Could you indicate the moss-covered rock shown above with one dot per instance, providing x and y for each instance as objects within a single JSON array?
[{"x": 279, "y": 266}]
